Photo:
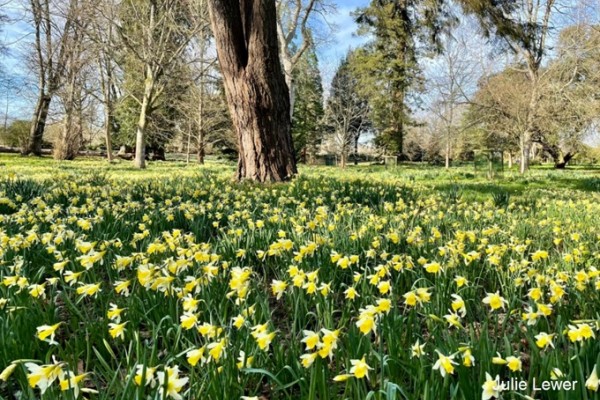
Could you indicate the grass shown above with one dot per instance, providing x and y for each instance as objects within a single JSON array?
[{"x": 176, "y": 281}]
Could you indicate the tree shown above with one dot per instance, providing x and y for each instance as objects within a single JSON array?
[
  {"x": 523, "y": 26},
  {"x": 347, "y": 111},
  {"x": 566, "y": 107},
  {"x": 156, "y": 33},
  {"x": 307, "y": 121},
  {"x": 569, "y": 102},
  {"x": 72, "y": 93},
  {"x": 246, "y": 40},
  {"x": 102, "y": 34},
  {"x": 388, "y": 67},
  {"x": 295, "y": 36},
  {"x": 52, "y": 38},
  {"x": 450, "y": 88},
  {"x": 498, "y": 111},
  {"x": 16, "y": 134}
]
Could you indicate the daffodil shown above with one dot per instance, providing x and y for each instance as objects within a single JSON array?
[
  {"x": 491, "y": 387},
  {"x": 514, "y": 363},
  {"x": 216, "y": 350},
  {"x": 360, "y": 369},
  {"x": 417, "y": 350},
  {"x": 196, "y": 355},
  {"x": 278, "y": 288},
  {"x": 117, "y": 330},
  {"x": 170, "y": 383},
  {"x": 592, "y": 381},
  {"x": 145, "y": 375},
  {"x": 70, "y": 381},
  {"x": 188, "y": 320},
  {"x": 495, "y": 301},
  {"x": 43, "y": 376},
  {"x": 445, "y": 364},
  {"x": 88, "y": 290},
  {"x": 458, "y": 305},
  {"x": 544, "y": 340},
  {"x": 308, "y": 359},
  {"x": 114, "y": 313},
  {"x": 311, "y": 339},
  {"x": 7, "y": 372},
  {"x": 351, "y": 293},
  {"x": 46, "y": 333}
]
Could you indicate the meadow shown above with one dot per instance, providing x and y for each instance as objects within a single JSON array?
[{"x": 370, "y": 283}]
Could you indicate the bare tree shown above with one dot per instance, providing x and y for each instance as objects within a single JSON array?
[
  {"x": 451, "y": 87},
  {"x": 246, "y": 38},
  {"x": 101, "y": 31},
  {"x": 295, "y": 35},
  {"x": 157, "y": 32},
  {"x": 347, "y": 111},
  {"x": 72, "y": 93},
  {"x": 535, "y": 16},
  {"x": 52, "y": 50}
]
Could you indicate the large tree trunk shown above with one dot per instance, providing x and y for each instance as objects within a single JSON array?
[
  {"x": 246, "y": 38},
  {"x": 38, "y": 124}
]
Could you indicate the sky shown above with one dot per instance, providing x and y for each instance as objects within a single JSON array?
[{"x": 343, "y": 37}]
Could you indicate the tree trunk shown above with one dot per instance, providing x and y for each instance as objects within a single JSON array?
[
  {"x": 201, "y": 153},
  {"x": 200, "y": 149},
  {"x": 448, "y": 154},
  {"x": 288, "y": 69},
  {"x": 108, "y": 133},
  {"x": 140, "y": 140},
  {"x": 510, "y": 160},
  {"x": 565, "y": 160},
  {"x": 106, "y": 83},
  {"x": 525, "y": 152},
  {"x": 246, "y": 39},
  {"x": 356, "y": 150},
  {"x": 38, "y": 125}
]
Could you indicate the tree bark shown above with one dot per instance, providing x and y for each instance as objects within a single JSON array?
[
  {"x": 246, "y": 38},
  {"x": 525, "y": 151},
  {"x": 447, "y": 153},
  {"x": 356, "y": 150},
  {"x": 38, "y": 125},
  {"x": 106, "y": 86},
  {"x": 140, "y": 142},
  {"x": 565, "y": 160},
  {"x": 108, "y": 131}
]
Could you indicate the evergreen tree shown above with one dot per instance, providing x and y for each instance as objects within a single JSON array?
[
  {"x": 307, "y": 129},
  {"x": 388, "y": 67}
]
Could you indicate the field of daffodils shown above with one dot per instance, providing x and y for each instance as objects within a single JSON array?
[{"x": 176, "y": 283}]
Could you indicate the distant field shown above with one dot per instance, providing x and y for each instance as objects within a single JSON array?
[{"x": 409, "y": 282}]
